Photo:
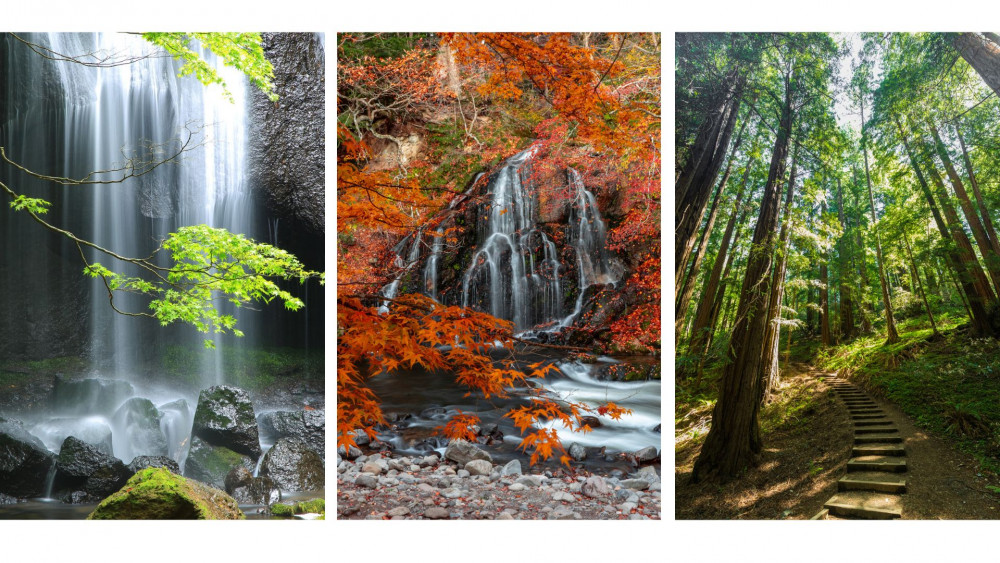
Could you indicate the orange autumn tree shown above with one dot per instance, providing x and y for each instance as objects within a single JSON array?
[{"x": 588, "y": 96}]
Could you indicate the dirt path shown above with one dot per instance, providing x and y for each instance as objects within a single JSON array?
[{"x": 806, "y": 455}]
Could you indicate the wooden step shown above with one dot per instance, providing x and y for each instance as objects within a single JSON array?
[
  {"x": 872, "y": 481},
  {"x": 861, "y": 504},
  {"x": 872, "y": 422},
  {"x": 879, "y": 430},
  {"x": 877, "y": 438},
  {"x": 866, "y": 411},
  {"x": 867, "y": 416},
  {"x": 878, "y": 449},
  {"x": 821, "y": 515},
  {"x": 877, "y": 463}
]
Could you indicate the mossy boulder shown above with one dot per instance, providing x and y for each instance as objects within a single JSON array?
[
  {"x": 225, "y": 417},
  {"x": 210, "y": 464},
  {"x": 247, "y": 489},
  {"x": 294, "y": 466},
  {"x": 290, "y": 509},
  {"x": 157, "y": 494}
]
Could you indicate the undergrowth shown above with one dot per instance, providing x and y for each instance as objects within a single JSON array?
[{"x": 948, "y": 386}]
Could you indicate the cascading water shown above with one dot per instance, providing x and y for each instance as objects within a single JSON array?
[
  {"x": 514, "y": 274},
  {"x": 412, "y": 252},
  {"x": 588, "y": 235},
  {"x": 431, "y": 268},
  {"x": 69, "y": 120}
]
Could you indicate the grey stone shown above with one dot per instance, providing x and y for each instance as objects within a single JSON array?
[
  {"x": 648, "y": 453},
  {"x": 225, "y": 417},
  {"x": 436, "y": 513},
  {"x": 530, "y": 480},
  {"x": 479, "y": 467},
  {"x": 366, "y": 480},
  {"x": 596, "y": 487},
  {"x": 463, "y": 452},
  {"x": 513, "y": 467},
  {"x": 635, "y": 484},
  {"x": 294, "y": 466},
  {"x": 577, "y": 452}
]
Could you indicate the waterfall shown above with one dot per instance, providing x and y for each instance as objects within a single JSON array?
[
  {"x": 431, "y": 268},
  {"x": 515, "y": 271},
  {"x": 391, "y": 290},
  {"x": 588, "y": 235},
  {"x": 67, "y": 119}
]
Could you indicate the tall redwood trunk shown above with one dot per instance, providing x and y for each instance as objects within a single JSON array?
[
  {"x": 846, "y": 305},
  {"x": 983, "y": 55},
  {"x": 734, "y": 441},
  {"x": 703, "y": 312},
  {"x": 890, "y": 323},
  {"x": 983, "y": 210},
  {"x": 991, "y": 260},
  {"x": 916, "y": 283},
  {"x": 824, "y": 297},
  {"x": 773, "y": 327},
  {"x": 694, "y": 185},
  {"x": 719, "y": 303},
  {"x": 975, "y": 287}
]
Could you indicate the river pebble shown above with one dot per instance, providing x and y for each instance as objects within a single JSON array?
[{"x": 423, "y": 488}]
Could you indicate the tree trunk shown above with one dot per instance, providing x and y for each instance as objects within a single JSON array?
[
  {"x": 773, "y": 327},
  {"x": 917, "y": 284},
  {"x": 890, "y": 323},
  {"x": 960, "y": 262},
  {"x": 983, "y": 55},
  {"x": 696, "y": 179},
  {"x": 684, "y": 298},
  {"x": 846, "y": 305},
  {"x": 991, "y": 260},
  {"x": 734, "y": 441},
  {"x": 708, "y": 334},
  {"x": 991, "y": 232},
  {"x": 703, "y": 313},
  {"x": 864, "y": 307},
  {"x": 824, "y": 297}
]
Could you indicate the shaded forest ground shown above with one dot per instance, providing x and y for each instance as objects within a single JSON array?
[{"x": 942, "y": 394}]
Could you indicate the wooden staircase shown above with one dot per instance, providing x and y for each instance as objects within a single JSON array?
[{"x": 874, "y": 482}]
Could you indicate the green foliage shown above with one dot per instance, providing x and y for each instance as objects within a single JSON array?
[
  {"x": 32, "y": 204},
  {"x": 943, "y": 385},
  {"x": 355, "y": 46},
  {"x": 254, "y": 369},
  {"x": 209, "y": 263},
  {"x": 242, "y": 51}
]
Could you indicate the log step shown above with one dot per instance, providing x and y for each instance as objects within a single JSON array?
[
  {"x": 859, "y": 504},
  {"x": 866, "y": 416},
  {"x": 878, "y": 449},
  {"x": 876, "y": 438},
  {"x": 873, "y": 481},
  {"x": 877, "y": 463},
  {"x": 872, "y": 422},
  {"x": 886, "y": 430}
]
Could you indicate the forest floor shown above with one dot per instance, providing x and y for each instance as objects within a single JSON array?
[{"x": 807, "y": 434}]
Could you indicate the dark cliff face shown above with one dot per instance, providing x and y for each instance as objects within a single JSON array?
[{"x": 287, "y": 143}]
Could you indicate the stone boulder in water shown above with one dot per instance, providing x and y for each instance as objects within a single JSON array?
[
  {"x": 138, "y": 424},
  {"x": 463, "y": 452},
  {"x": 225, "y": 417},
  {"x": 308, "y": 426},
  {"x": 210, "y": 464},
  {"x": 24, "y": 461},
  {"x": 158, "y": 494},
  {"x": 146, "y": 461},
  {"x": 247, "y": 489},
  {"x": 83, "y": 468},
  {"x": 294, "y": 466},
  {"x": 89, "y": 396}
]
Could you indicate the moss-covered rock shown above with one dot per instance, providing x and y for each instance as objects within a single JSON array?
[
  {"x": 294, "y": 466},
  {"x": 158, "y": 494},
  {"x": 210, "y": 464},
  {"x": 225, "y": 417},
  {"x": 85, "y": 473},
  {"x": 288, "y": 510}
]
